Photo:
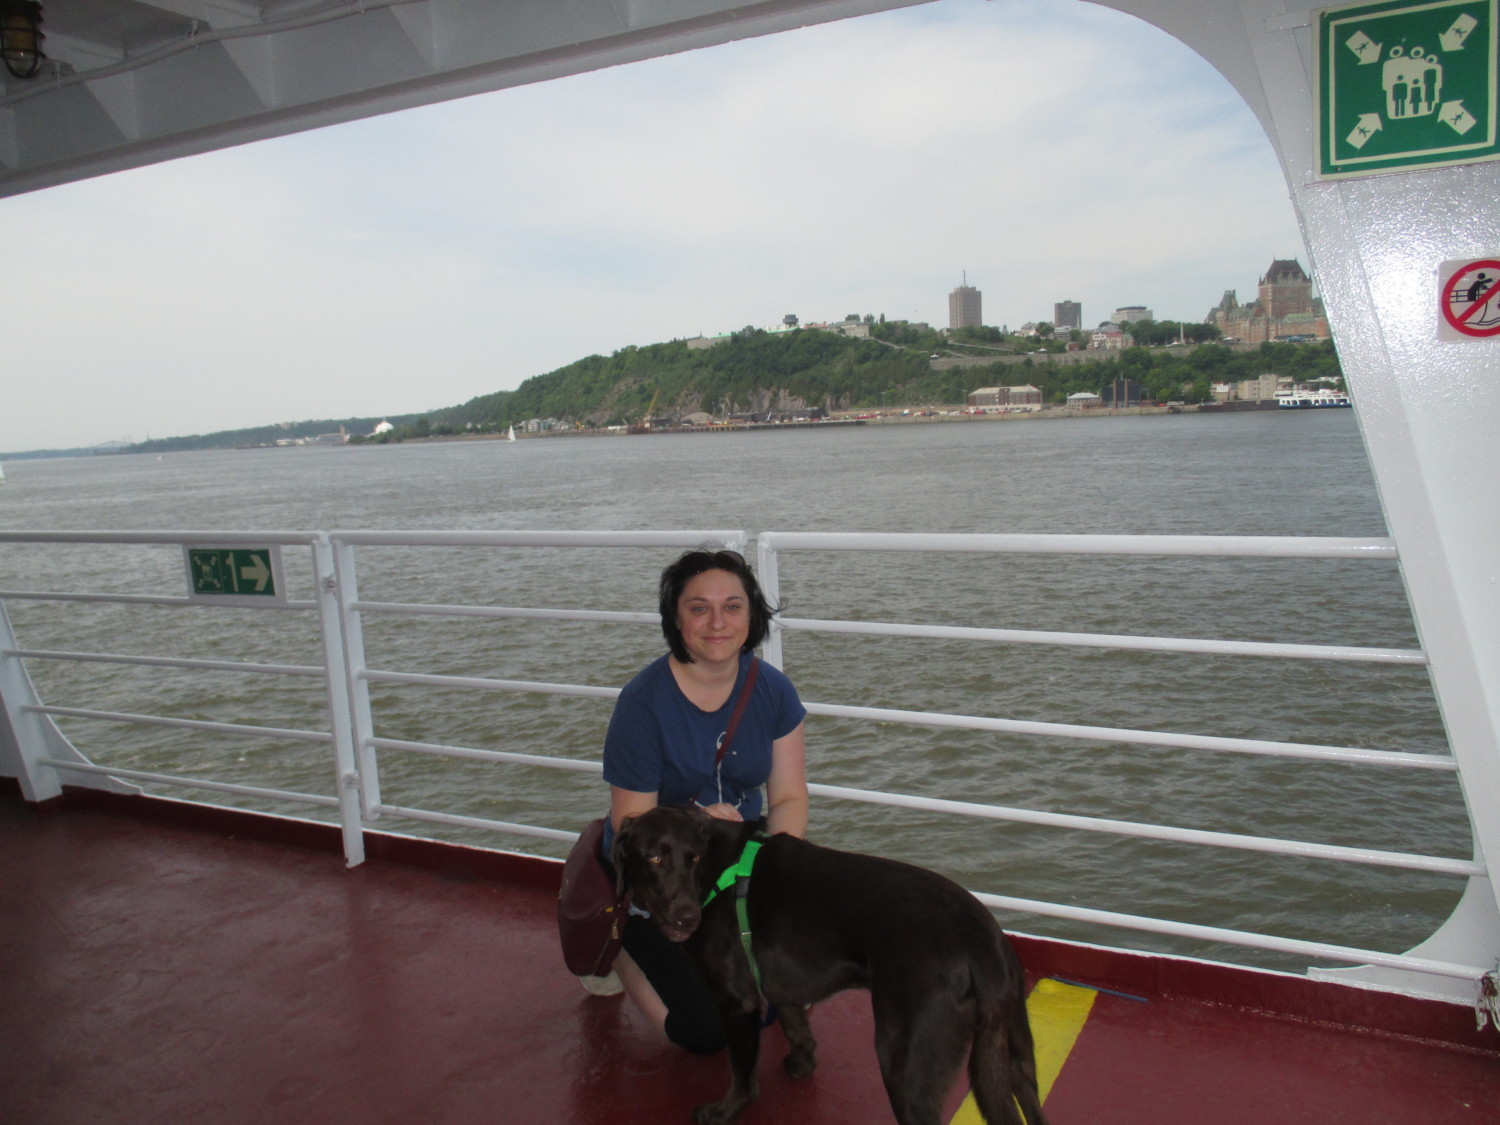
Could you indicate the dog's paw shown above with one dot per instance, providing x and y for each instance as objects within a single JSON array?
[
  {"x": 727, "y": 1110},
  {"x": 800, "y": 1064},
  {"x": 718, "y": 1113}
]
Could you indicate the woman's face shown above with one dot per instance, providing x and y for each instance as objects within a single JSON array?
[{"x": 713, "y": 615}]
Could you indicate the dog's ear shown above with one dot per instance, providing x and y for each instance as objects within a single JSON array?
[{"x": 617, "y": 854}]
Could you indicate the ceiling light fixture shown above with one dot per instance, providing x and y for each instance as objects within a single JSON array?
[{"x": 21, "y": 37}]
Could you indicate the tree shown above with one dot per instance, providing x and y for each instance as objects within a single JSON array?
[{"x": 975, "y": 334}]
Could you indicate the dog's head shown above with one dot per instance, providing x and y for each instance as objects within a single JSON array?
[{"x": 659, "y": 857}]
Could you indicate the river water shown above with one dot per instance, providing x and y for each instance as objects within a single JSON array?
[{"x": 1264, "y": 473}]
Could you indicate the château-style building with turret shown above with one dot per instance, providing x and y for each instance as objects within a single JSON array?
[{"x": 1284, "y": 309}]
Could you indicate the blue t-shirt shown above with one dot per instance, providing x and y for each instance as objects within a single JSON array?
[{"x": 660, "y": 742}]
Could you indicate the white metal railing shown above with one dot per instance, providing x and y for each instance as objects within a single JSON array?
[
  {"x": 1439, "y": 762},
  {"x": 356, "y": 745},
  {"x": 1103, "y": 640},
  {"x": 47, "y": 756},
  {"x": 359, "y": 675},
  {"x": 771, "y": 546},
  {"x": 172, "y": 662},
  {"x": 1435, "y": 864}
]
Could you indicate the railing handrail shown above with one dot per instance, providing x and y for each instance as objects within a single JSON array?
[
  {"x": 1352, "y": 754},
  {"x": 1048, "y": 543},
  {"x": 649, "y": 539},
  {"x": 429, "y": 609},
  {"x": 1122, "y": 642},
  {"x": 168, "y": 662},
  {"x": 173, "y": 601},
  {"x": 287, "y": 538},
  {"x": 1268, "y": 546}
]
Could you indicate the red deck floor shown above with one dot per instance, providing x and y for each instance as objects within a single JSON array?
[{"x": 155, "y": 971}]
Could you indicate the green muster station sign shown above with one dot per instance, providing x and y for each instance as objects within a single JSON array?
[
  {"x": 1403, "y": 85},
  {"x": 234, "y": 573}
]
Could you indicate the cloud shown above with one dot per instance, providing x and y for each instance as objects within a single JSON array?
[{"x": 1053, "y": 150}]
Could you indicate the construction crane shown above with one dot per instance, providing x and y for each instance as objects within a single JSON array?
[{"x": 644, "y": 425}]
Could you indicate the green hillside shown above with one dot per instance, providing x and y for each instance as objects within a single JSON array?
[
  {"x": 750, "y": 371},
  {"x": 783, "y": 372},
  {"x": 760, "y": 372}
]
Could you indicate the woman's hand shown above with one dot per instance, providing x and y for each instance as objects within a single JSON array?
[{"x": 722, "y": 812}]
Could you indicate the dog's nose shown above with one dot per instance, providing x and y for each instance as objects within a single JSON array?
[{"x": 686, "y": 918}]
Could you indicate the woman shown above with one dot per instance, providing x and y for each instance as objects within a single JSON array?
[{"x": 661, "y": 747}]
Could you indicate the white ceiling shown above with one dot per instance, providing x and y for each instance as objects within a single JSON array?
[{"x": 131, "y": 82}]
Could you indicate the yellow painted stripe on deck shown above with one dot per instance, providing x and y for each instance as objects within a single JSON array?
[{"x": 1057, "y": 1013}]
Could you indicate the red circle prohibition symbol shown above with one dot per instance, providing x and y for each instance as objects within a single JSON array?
[{"x": 1479, "y": 300}]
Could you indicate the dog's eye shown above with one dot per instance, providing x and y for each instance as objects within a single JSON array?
[
  {"x": 654, "y": 858},
  {"x": 696, "y": 858}
]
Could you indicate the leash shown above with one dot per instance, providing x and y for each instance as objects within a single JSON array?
[{"x": 738, "y": 876}]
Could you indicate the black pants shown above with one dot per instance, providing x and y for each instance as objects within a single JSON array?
[{"x": 692, "y": 1015}]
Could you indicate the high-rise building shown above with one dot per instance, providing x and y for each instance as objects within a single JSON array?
[
  {"x": 963, "y": 306},
  {"x": 1067, "y": 314}
]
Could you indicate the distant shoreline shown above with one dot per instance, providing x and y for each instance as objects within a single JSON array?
[
  {"x": 879, "y": 418},
  {"x": 844, "y": 419}
]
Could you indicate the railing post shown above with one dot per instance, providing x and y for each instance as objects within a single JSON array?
[
  {"x": 335, "y": 663},
  {"x": 357, "y": 687},
  {"x": 27, "y": 736},
  {"x": 21, "y": 739},
  {"x": 770, "y": 584}
]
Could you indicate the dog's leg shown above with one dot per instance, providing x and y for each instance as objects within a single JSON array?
[
  {"x": 920, "y": 1039},
  {"x": 742, "y": 1030},
  {"x": 801, "y": 1060}
]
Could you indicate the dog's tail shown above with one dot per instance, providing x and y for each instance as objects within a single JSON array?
[{"x": 1002, "y": 1061}]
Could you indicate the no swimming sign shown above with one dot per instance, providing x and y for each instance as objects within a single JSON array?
[{"x": 1469, "y": 299}]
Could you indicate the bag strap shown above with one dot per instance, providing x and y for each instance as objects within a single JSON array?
[{"x": 739, "y": 709}]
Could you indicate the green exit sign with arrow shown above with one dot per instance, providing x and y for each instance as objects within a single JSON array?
[
  {"x": 234, "y": 574},
  {"x": 1404, "y": 85}
]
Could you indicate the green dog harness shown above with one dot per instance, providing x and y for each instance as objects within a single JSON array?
[{"x": 738, "y": 876}]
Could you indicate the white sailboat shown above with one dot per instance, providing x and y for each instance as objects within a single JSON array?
[{"x": 512, "y": 435}]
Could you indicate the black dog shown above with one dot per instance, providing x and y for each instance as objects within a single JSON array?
[{"x": 943, "y": 978}]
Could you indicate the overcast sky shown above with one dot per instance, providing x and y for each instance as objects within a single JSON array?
[{"x": 1050, "y": 148}]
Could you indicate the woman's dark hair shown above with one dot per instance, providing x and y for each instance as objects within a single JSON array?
[{"x": 675, "y": 578}]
